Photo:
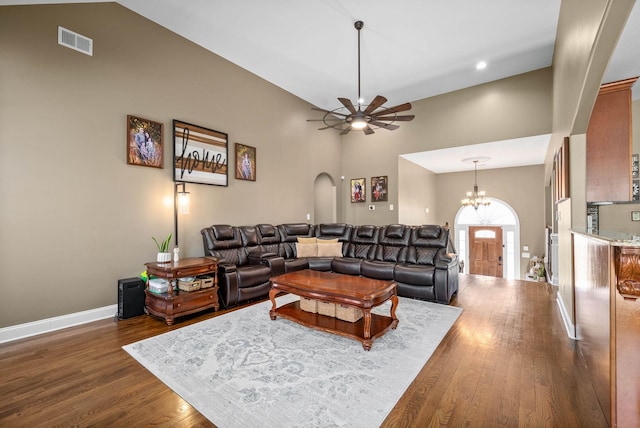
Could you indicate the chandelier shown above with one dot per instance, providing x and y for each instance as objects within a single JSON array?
[{"x": 475, "y": 198}]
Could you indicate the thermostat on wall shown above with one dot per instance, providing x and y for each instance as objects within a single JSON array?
[{"x": 635, "y": 215}]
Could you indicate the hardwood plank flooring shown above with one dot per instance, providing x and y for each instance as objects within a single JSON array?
[{"x": 507, "y": 362}]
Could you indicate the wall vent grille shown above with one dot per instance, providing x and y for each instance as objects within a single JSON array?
[{"x": 75, "y": 41}]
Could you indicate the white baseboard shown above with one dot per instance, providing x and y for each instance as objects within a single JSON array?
[
  {"x": 568, "y": 324},
  {"x": 20, "y": 331}
]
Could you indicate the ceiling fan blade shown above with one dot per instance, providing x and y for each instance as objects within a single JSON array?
[
  {"x": 346, "y": 130},
  {"x": 328, "y": 111},
  {"x": 388, "y": 126},
  {"x": 347, "y": 103},
  {"x": 396, "y": 109},
  {"x": 368, "y": 131},
  {"x": 377, "y": 102},
  {"x": 404, "y": 118}
]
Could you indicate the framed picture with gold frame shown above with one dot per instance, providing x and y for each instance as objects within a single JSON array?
[
  {"x": 358, "y": 190},
  {"x": 144, "y": 142},
  {"x": 245, "y": 162}
]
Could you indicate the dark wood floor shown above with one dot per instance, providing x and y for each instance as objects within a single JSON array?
[{"x": 507, "y": 362}]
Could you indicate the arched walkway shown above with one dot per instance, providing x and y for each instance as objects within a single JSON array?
[
  {"x": 498, "y": 213},
  {"x": 325, "y": 199}
]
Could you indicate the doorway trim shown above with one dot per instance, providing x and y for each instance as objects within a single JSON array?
[{"x": 499, "y": 213}]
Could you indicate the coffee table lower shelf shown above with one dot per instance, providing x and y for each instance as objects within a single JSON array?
[{"x": 380, "y": 324}]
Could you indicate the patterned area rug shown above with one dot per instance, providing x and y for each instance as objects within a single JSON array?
[{"x": 243, "y": 370}]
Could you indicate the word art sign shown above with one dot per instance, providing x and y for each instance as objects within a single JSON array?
[{"x": 200, "y": 154}]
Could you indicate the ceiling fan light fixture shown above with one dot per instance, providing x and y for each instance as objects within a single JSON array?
[
  {"x": 374, "y": 116},
  {"x": 359, "y": 121}
]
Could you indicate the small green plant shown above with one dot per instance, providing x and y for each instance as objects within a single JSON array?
[{"x": 164, "y": 246}]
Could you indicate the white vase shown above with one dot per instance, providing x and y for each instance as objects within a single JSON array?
[{"x": 164, "y": 257}]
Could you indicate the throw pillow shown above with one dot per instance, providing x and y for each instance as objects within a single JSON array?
[
  {"x": 330, "y": 250},
  {"x": 306, "y": 240},
  {"x": 306, "y": 250},
  {"x": 327, "y": 241}
]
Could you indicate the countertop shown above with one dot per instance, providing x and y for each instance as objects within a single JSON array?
[{"x": 616, "y": 239}]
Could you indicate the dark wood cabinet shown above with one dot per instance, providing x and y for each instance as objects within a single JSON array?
[
  {"x": 173, "y": 304},
  {"x": 609, "y": 144}
]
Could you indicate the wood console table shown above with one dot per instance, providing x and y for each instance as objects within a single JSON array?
[{"x": 173, "y": 304}]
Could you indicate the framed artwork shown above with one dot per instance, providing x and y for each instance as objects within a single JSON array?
[
  {"x": 358, "y": 190},
  {"x": 199, "y": 154},
  {"x": 379, "y": 189},
  {"x": 144, "y": 142},
  {"x": 245, "y": 162}
]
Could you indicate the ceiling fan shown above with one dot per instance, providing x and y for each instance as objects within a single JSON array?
[{"x": 374, "y": 116}]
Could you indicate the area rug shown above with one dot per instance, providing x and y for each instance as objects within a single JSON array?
[{"x": 242, "y": 369}]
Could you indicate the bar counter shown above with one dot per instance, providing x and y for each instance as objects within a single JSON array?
[{"x": 607, "y": 303}]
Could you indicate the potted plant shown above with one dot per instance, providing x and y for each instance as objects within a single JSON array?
[{"x": 164, "y": 255}]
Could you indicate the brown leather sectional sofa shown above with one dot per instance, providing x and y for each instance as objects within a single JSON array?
[{"x": 415, "y": 257}]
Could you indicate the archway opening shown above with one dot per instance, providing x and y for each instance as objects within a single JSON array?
[
  {"x": 498, "y": 213},
  {"x": 325, "y": 199}
]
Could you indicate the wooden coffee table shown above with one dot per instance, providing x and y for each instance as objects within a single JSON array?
[{"x": 360, "y": 292}]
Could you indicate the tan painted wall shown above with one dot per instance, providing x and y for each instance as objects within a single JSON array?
[
  {"x": 417, "y": 194},
  {"x": 522, "y": 188},
  {"x": 74, "y": 216}
]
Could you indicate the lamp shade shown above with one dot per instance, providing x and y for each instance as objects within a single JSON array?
[{"x": 184, "y": 202}]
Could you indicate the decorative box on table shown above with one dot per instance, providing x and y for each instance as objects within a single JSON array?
[
  {"x": 158, "y": 285},
  {"x": 348, "y": 313},
  {"x": 326, "y": 308},
  {"x": 189, "y": 284},
  {"x": 309, "y": 305},
  {"x": 206, "y": 281}
]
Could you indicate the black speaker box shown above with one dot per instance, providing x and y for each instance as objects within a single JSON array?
[{"x": 130, "y": 297}]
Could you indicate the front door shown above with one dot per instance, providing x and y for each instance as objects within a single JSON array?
[{"x": 485, "y": 250}]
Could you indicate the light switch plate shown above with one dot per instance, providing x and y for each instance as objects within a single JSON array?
[{"x": 635, "y": 215}]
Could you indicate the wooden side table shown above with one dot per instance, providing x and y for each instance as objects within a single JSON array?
[{"x": 173, "y": 304}]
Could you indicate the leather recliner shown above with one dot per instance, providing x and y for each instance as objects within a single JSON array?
[{"x": 240, "y": 277}]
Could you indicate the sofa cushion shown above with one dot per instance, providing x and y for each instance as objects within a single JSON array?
[
  {"x": 306, "y": 250},
  {"x": 267, "y": 230},
  {"x": 425, "y": 255},
  {"x": 252, "y": 275},
  {"x": 414, "y": 274},
  {"x": 429, "y": 231},
  {"x": 365, "y": 231},
  {"x": 346, "y": 265},
  {"x": 304, "y": 240},
  {"x": 223, "y": 232},
  {"x": 395, "y": 230},
  {"x": 327, "y": 241},
  {"x": 377, "y": 270},
  {"x": 330, "y": 250},
  {"x": 293, "y": 265}
]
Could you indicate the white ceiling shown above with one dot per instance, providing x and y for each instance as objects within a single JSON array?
[{"x": 410, "y": 49}]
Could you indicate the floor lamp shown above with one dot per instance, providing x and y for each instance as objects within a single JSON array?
[{"x": 181, "y": 205}]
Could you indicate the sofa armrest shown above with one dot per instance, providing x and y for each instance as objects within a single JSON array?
[
  {"x": 228, "y": 284},
  {"x": 444, "y": 260},
  {"x": 271, "y": 260}
]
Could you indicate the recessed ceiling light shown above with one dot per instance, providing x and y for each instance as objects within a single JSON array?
[{"x": 481, "y": 65}]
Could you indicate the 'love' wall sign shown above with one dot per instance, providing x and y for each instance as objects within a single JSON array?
[{"x": 200, "y": 154}]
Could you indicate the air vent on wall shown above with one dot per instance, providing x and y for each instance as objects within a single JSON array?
[{"x": 75, "y": 41}]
